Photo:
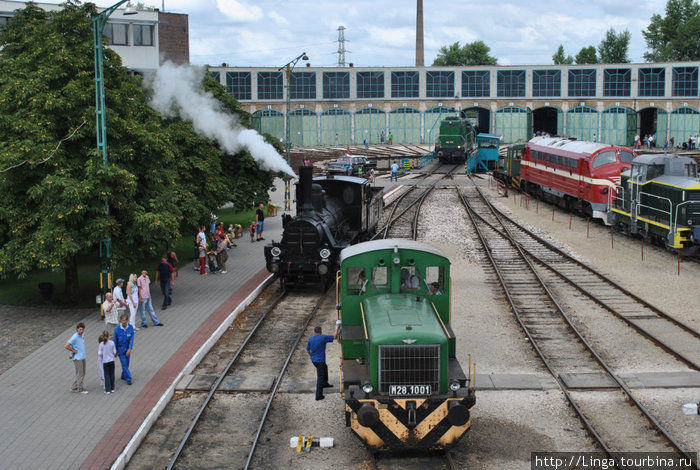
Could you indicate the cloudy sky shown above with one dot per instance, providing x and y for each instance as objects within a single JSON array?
[{"x": 382, "y": 32}]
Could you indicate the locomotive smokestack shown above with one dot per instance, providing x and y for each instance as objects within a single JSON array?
[
  {"x": 419, "y": 33},
  {"x": 304, "y": 202}
]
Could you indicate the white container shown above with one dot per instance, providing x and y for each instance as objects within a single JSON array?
[
  {"x": 323, "y": 442},
  {"x": 690, "y": 409}
]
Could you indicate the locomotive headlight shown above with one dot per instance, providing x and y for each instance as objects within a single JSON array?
[
  {"x": 323, "y": 269},
  {"x": 367, "y": 387},
  {"x": 276, "y": 251},
  {"x": 454, "y": 385},
  {"x": 325, "y": 253},
  {"x": 275, "y": 268}
]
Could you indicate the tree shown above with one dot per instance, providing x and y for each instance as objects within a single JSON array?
[
  {"x": 560, "y": 58},
  {"x": 614, "y": 48},
  {"x": 674, "y": 38},
  {"x": 475, "y": 53},
  {"x": 587, "y": 55},
  {"x": 162, "y": 178}
]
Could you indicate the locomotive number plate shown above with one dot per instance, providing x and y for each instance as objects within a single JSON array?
[{"x": 409, "y": 390}]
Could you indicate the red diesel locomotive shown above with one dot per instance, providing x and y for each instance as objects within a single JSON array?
[{"x": 577, "y": 175}]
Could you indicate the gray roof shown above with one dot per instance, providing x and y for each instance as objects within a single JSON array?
[
  {"x": 578, "y": 146},
  {"x": 388, "y": 244}
]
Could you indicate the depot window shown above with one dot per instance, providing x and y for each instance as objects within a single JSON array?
[
  {"x": 476, "y": 83},
  {"x": 617, "y": 82},
  {"x": 685, "y": 81},
  {"x": 439, "y": 84},
  {"x": 510, "y": 83},
  {"x": 302, "y": 86},
  {"x": 404, "y": 84},
  {"x": 582, "y": 83},
  {"x": 336, "y": 85},
  {"x": 238, "y": 84},
  {"x": 370, "y": 84},
  {"x": 546, "y": 83},
  {"x": 652, "y": 81},
  {"x": 270, "y": 86}
]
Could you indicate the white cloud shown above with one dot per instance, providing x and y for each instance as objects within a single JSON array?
[{"x": 239, "y": 12}]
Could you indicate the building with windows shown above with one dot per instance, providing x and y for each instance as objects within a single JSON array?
[
  {"x": 144, "y": 41},
  {"x": 612, "y": 102}
]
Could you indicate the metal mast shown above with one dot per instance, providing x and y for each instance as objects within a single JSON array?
[{"x": 341, "y": 46}]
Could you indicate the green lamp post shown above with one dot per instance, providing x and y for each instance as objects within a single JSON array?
[
  {"x": 98, "y": 23},
  {"x": 288, "y": 67}
]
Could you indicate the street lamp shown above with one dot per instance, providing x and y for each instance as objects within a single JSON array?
[
  {"x": 288, "y": 67},
  {"x": 98, "y": 23}
]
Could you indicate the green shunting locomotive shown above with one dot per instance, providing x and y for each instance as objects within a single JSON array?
[
  {"x": 659, "y": 199},
  {"x": 402, "y": 384},
  {"x": 455, "y": 141}
]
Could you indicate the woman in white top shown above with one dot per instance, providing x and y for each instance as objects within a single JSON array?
[{"x": 132, "y": 300}]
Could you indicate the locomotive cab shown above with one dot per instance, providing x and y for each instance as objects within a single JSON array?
[
  {"x": 402, "y": 383},
  {"x": 659, "y": 199}
]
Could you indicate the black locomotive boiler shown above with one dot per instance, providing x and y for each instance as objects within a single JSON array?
[{"x": 333, "y": 212}]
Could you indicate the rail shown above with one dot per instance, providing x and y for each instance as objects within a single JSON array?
[
  {"x": 506, "y": 234},
  {"x": 221, "y": 377}
]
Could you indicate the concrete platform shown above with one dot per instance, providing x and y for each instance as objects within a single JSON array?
[{"x": 45, "y": 426}]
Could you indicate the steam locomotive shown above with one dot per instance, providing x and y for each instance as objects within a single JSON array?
[{"x": 333, "y": 212}]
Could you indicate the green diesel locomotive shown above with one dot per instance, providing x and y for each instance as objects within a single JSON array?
[
  {"x": 402, "y": 384},
  {"x": 456, "y": 140},
  {"x": 659, "y": 199}
]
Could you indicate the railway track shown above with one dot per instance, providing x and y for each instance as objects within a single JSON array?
[
  {"x": 233, "y": 388},
  {"x": 408, "y": 205},
  {"x": 611, "y": 413},
  {"x": 670, "y": 334}
]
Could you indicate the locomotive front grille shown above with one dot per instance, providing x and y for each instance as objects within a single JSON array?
[
  {"x": 301, "y": 241},
  {"x": 408, "y": 368}
]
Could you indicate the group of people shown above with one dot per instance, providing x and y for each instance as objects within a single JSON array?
[
  {"x": 108, "y": 349},
  {"x": 649, "y": 141},
  {"x": 213, "y": 250},
  {"x": 136, "y": 294}
]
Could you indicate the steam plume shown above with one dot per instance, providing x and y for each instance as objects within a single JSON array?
[{"x": 177, "y": 91}]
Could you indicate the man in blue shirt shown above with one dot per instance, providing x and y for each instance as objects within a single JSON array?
[
  {"x": 394, "y": 172},
  {"x": 317, "y": 351},
  {"x": 124, "y": 342},
  {"x": 76, "y": 346}
]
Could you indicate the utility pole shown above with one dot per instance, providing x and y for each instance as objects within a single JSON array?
[{"x": 341, "y": 46}]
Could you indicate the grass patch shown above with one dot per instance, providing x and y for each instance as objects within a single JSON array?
[{"x": 25, "y": 292}]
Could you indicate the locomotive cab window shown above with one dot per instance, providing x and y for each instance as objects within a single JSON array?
[
  {"x": 380, "y": 278},
  {"x": 637, "y": 172},
  {"x": 626, "y": 157},
  {"x": 654, "y": 171},
  {"x": 410, "y": 278},
  {"x": 435, "y": 280},
  {"x": 357, "y": 281},
  {"x": 604, "y": 158}
]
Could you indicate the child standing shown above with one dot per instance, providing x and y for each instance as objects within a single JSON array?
[
  {"x": 202, "y": 255},
  {"x": 253, "y": 226},
  {"x": 106, "y": 353}
]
